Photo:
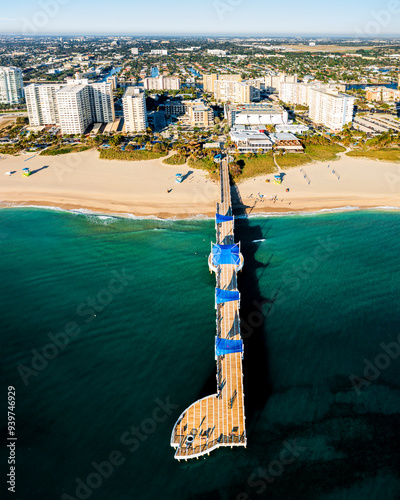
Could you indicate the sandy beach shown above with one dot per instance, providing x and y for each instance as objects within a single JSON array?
[{"x": 83, "y": 181}]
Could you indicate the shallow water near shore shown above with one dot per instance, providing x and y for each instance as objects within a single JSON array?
[{"x": 124, "y": 312}]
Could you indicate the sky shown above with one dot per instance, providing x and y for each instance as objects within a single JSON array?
[{"x": 354, "y": 18}]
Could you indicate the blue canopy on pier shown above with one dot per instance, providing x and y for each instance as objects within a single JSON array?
[
  {"x": 226, "y": 346},
  {"x": 222, "y": 218},
  {"x": 225, "y": 254},
  {"x": 222, "y": 296}
]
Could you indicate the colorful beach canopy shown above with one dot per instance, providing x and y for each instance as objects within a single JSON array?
[
  {"x": 225, "y": 254},
  {"x": 222, "y": 296},
  {"x": 226, "y": 346},
  {"x": 222, "y": 218}
]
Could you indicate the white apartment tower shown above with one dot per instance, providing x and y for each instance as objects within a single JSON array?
[
  {"x": 135, "y": 112},
  {"x": 272, "y": 82},
  {"x": 331, "y": 109},
  {"x": 41, "y": 104},
  {"x": 11, "y": 85},
  {"x": 237, "y": 92},
  {"x": 101, "y": 102},
  {"x": 74, "y": 108},
  {"x": 162, "y": 83}
]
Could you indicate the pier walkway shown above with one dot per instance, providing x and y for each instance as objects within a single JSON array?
[{"x": 219, "y": 419}]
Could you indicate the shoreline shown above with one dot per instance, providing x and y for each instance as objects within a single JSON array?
[
  {"x": 198, "y": 216},
  {"x": 147, "y": 189}
]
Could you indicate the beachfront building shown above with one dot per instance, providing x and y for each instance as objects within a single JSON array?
[
  {"x": 41, "y": 103},
  {"x": 135, "y": 111},
  {"x": 162, "y": 83},
  {"x": 250, "y": 140},
  {"x": 11, "y": 85},
  {"x": 210, "y": 79},
  {"x": 237, "y": 92},
  {"x": 382, "y": 94},
  {"x": 74, "y": 111},
  {"x": 329, "y": 108},
  {"x": 255, "y": 114},
  {"x": 287, "y": 142},
  {"x": 200, "y": 114},
  {"x": 48, "y": 104},
  {"x": 101, "y": 102}
]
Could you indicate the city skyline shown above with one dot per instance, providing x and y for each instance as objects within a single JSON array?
[{"x": 230, "y": 17}]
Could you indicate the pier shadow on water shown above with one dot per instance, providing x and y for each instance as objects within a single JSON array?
[{"x": 257, "y": 384}]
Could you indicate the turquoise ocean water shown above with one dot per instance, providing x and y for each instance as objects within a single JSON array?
[{"x": 107, "y": 332}]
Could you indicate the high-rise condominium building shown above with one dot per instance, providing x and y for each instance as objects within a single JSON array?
[
  {"x": 101, "y": 102},
  {"x": 41, "y": 104},
  {"x": 135, "y": 112},
  {"x": 74, "y": 109},
  {"x": 162, "y": 83},
  {"x": 272, "y": 82},
  {"x": 327, "y": 106},
  {"x": 294, "y": 93},
  {"x": 238, "y": 92},
  {"x": 331, "y": 109},
  {"x": 46, "y": 107},
  {"x": 11, "y": 85},
  {"x": 209, "y": 80}
]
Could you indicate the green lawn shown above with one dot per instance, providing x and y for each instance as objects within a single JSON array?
[
  {"x": 55, "y": 151},
  {"x": 313, "y": 152},
  {"x": 257, "y": 165},
  {"x": 175, "y": 160},
  {"x": 112, "y": 154},
  {"x": 382, "y": 154}
]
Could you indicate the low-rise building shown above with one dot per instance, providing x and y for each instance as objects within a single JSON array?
[
  {"x": 263, "y": 113},
  {"x": 251, "y": 140},
  {"x": 217, "y": 52},
  {"x": 382, "y": 94},
  {"x": 287, "y": 142},
  {"x": 159, "y": 52},
  {"x": 200, "y": 114},
  {"x": 175, "y": 107},
  {"x": 292, "y": 129}
]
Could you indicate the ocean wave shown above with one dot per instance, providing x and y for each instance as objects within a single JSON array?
[{"x": 107, "y": 218}]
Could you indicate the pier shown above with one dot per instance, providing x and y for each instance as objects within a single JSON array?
[{"x": 219, "y": 420}]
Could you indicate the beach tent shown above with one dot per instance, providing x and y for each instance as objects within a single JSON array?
[
  {"x": 222, "y": 218},
  {"x": 225, "y": 254},
  {"x": 226, "y": 346},
  {"x": 222, "y": 296}
]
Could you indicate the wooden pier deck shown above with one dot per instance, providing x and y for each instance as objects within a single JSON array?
[{"x": 219, "y": 419}]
